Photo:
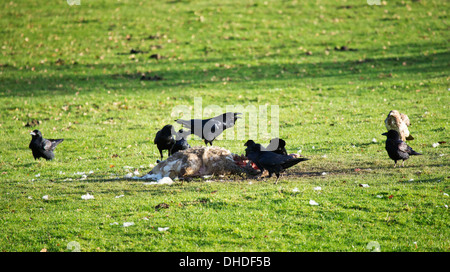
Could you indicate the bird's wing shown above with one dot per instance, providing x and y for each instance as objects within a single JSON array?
[
  {"x": 50, "y": 144},
  {"x": 212, "y": 128},
  {"x": 405, "y": 119},
  {"x": 271, "y": 158},
  {"x": 157, "y": 137},
  {"x": 403, "y": 147}
]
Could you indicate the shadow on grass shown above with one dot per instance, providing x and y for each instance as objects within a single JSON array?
[{"x": 212, "y": 72}]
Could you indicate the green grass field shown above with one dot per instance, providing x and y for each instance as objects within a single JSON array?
[{"x": 74, "y": 72}]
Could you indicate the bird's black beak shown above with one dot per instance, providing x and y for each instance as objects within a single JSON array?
[
  {"x": 385, "y": 134},
  {"x": 236, "y": 115}
]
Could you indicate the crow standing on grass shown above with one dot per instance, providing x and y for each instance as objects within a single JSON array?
[
  {"x": 396, "y": 148},
  {"x": 274, "y": 163},
  {"x": 164, "y": 139},
  {"x": 209, "y": 129},
  {"x": 43, "y": 148}
]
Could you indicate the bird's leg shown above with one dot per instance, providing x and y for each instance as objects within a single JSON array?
[
  {"x": 278, "y": 176},
  {"x": 160, "y": 153},
  {"x": 403, "y": 163},
  {"x": 395, "y": 164}
]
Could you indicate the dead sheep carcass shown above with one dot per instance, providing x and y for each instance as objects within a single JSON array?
[{"x": 202, "y": 161}]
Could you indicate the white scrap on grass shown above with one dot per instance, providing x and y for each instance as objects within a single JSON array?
[
  {"x": 318, "y": 188},
  {"x": 127, "y": 224},
  {"x": 445, "y": 194},
  {"x": 313, "y": 203},
  {"x": 87, "y": 196},
  {"x": 45, "y": 197},
  {"x": 119, "y": 196},
  {"x": 324, "y": 173},
  {"x": 374, "y": 140},
  {"x": 435, "y": 145},
  {"x": 150, "y": 176},
  {"x": 114, "y": 223},
  {"x": 163, "y": 229},
  {"x": 364, "y": 185},
  {"x": 295, "y": 190},
  {"x": 38, "y": 175},
  {"x": 164, "y": 180},
  {"x": 146, "y": 176},
  {"x": 379, "y": 196}
]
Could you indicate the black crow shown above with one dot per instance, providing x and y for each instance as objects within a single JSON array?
[
  {"x": 274, "y": 163},
  {"x": 164, "y": 139},
  {"x": 277, "y": 145},
  {"x": 43, "y": 148},
  {"x": 396, "y": 148},
  {"x": 209, "y": 129},
  {"x": 252, "y": 154},
  {"x": 180, "y": 142}
]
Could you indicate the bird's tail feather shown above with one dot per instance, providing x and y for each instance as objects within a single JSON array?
[
  {"x": 56, "y": 141},
  {"x": 415, "y": 153},
  {"x": 293, "y": 162},
  {"x": 185, "y": 123}
]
